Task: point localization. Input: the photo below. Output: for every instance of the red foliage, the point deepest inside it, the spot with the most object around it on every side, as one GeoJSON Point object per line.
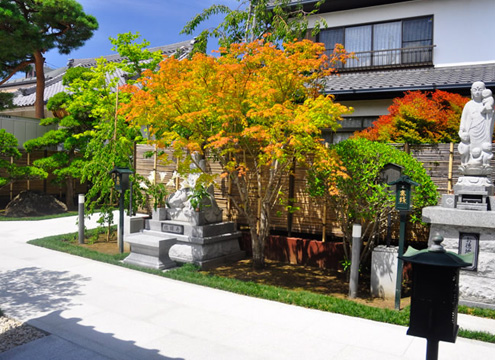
{"type": "Point", "coordinates": [418, 118]}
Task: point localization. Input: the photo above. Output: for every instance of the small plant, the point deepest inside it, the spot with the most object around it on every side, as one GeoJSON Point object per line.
{"type": "Point", "coordinates": [155, 190]}
{"type": "Point", "coordinates": [346, 264]}
{"type": "Point", "coordinates": [197, 197]}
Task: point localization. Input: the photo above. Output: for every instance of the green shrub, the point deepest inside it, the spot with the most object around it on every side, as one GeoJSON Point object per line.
{"type": "Point", "coordinates": [357, 194]}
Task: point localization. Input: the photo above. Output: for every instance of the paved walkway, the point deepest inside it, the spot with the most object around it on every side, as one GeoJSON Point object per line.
{"type": "Point", "coordinates": [98, 311]}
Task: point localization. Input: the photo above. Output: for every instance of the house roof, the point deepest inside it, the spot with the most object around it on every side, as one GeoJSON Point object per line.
{"type": "Point", "coordinates": [53, 79]}
{"type": "Point", "coordinates": [452, 78]}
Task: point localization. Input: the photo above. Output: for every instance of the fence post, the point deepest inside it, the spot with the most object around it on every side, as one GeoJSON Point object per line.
{"type": "Point", "coordinates": [290, 199]}
{"type": "Point", "coordinates": [28, 163]}
{"type": "Point", "coordinates": [324, 223]}
{"type": "Point", "coordinates": [81, 218]}
{"type": "Point", "coordinates": [451, 168]}
{"type": "Point", "coordinates": [11, 186]}
{"type": "Point", "coordinates": [356, 251]}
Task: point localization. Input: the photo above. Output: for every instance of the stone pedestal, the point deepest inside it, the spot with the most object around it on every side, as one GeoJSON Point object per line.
{"type": "Point", "coordinates": [476, 286]}
{"type": "Point", "coordinates": [384, 272]}
{"type": "Point", "coordinates": [161, 244]}
{"type": "Point", "coordinates": [207, 245]}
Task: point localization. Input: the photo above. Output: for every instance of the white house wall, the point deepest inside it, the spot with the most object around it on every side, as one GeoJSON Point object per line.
{"type": "Point", "coordinates": [463, 32]}
{"type": "Point", "coordinates": [368, 107]}
{"type": "Point", "coordinates": [23, 128]}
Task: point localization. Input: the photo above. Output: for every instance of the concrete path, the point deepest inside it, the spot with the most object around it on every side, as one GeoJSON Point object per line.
{"type": "Point", "coordinates": [99, 311]}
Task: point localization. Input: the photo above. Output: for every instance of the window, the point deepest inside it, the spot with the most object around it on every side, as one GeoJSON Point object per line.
{"type": "Point", "coordinates": [350, 124]}
{"type": "Point", "coordinates": [393, 43]}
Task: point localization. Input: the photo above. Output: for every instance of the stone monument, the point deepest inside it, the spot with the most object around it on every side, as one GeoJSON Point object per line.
{"type": "Point", "coordinates": [186, 231]}
{"type": "Point", "coordinates": [466, 218]}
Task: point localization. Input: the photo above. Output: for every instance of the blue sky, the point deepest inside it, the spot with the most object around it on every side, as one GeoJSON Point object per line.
{"type": "Point", "coordinates": [158, 21]}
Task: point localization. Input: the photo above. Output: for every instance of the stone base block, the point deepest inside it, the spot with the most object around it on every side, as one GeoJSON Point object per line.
{"type": "Point", "coordinates": [209, 252]}
{"type": "Point", "coordinates": [150, 251]}
{"type": "Point", "coordinates": [476, 286]}
{"type": "Point", "coordinates": [384, 272]}
{"type": "Point", "coordinates": [134, 224]}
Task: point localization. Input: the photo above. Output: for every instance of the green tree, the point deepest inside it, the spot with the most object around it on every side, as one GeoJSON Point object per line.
{"type": "Point", "coordinates": [10, 171]}
{"type": "Point", "coordinates": [354, 190]}
{"type": "Point", "coordinates": [6, 100]}
{"type": "Point", "coordinates": [279, 20]}
{"type": "Point", "coordinates": [73, 120]}
{"type": "Point", "coordinates": [29, 28]}
{"type": "Point", "coordinates": [112, 139]}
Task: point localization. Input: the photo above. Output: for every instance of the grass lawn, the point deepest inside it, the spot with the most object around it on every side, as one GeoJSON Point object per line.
{"type": "Point", "coordinates": [296, 285]}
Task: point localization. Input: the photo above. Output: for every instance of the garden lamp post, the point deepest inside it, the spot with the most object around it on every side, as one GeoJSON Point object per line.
{"type": "Point", "coordinates": [435, 294]}
{"type": "Point", "coordinates": [121, 179]}
{"type": "Point", "coordinates": [403, 189]}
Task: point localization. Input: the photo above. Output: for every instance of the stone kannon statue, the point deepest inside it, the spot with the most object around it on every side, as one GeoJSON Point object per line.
{"type": "Point", "coordinates": [179, 204]}
{"type": "Point", "coordinates": [476, 131]}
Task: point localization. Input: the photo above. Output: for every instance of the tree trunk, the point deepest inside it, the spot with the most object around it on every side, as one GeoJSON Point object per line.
{"type": "Point", "coordinates": [39, 105]}
{"type": "Point", "coordinates": [69, 193]}
{"type": "Point", "coordinates": [258, 245]}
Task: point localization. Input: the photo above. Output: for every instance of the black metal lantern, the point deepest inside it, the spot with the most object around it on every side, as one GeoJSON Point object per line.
{"type": "Point", "coordinates": [403, 192]}
{"type": "Point", "coordinates": [390, 173]}
{"type": "Point", "coordinates": [435, 294]}
{"type": "Point", "coordinates": [121, 178]}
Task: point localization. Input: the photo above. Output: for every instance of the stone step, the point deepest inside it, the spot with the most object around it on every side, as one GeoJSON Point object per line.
{"type": "Point", "coordinates": [150, 251]}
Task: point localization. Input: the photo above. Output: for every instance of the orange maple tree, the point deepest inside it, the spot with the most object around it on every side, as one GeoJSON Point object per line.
{"type": "Point", "coordinates": [419, 118]}
{"type": "Point", "coordinates": [254, 109]}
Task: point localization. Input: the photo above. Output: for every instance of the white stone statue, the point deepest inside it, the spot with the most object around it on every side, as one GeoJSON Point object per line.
{"type": "Point", "coordinates": [476, 131]}
{"type": "Point", "coordinates": [179, 203]}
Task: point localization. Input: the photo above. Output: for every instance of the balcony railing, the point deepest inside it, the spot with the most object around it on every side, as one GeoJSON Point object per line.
{"type": "Point", "coordinates": [390, 58]}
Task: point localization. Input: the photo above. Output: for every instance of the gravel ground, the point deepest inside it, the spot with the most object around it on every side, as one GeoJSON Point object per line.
{"type": "Point", "coordinates": [14, 333]}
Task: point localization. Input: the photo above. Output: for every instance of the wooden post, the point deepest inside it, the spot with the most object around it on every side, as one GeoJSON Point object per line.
{"type": "Point", "coordinates": [451, 167]}
{"type": "Point", "coordinates": [45, 155]}
{"type": "Point", "coordinates": [177, 180]}
{"type": "Point", "coordinates": [155, 164]}
{"type": "Point", "coordinates": [11, 186]}
{"type": "Point", "coordinates": [28, 163]}
{"type": "Point", "coordinates": [229, 199]}
{"type": "Point", "coordinates": [290, 199]}
{"type": "Point", "coordinates": [324, 222]}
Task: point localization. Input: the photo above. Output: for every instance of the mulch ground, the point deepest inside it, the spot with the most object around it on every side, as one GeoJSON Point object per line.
{"type": "Point", "coordinates": [289, 276]}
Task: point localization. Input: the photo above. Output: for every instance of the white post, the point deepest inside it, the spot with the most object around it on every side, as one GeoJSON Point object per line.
{"type": "Point", "coordinates": [356, 251]}
{"type": "Point", "coordinates": [81, 218]}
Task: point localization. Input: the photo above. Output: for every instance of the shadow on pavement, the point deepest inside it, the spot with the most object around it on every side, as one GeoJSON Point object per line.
{"type": "Point", "coordinates": [75, 341]}
{"type": "Point", "coordinates": [28, 291]}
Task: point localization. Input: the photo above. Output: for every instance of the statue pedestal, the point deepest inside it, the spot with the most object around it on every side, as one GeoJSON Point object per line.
{"type": "Point", "coordinates": [465, 231]}
{"type": "Point", "coordinates": [207, 245]}
{"type": "Point", "coordinates": [164, 243]}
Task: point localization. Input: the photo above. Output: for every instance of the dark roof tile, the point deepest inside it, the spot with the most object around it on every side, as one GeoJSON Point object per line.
{"type": "Point", "coordinates": [454, 77]}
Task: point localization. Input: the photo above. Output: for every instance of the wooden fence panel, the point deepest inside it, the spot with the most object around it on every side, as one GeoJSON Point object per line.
{"type": "Point", "coordinates": [309, 218]}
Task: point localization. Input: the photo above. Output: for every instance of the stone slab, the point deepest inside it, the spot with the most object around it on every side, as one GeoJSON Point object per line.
{"type": "Point", "coordinates": [150, 251]}
{"type": "Point", "coordinates": [195, 253]}
{"type": "Point", "coordinates": [384, 272]}
{"type": "Point", "coordinates": [457, 217]}
{"type": "Point", "coordinates": [221, 260]}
